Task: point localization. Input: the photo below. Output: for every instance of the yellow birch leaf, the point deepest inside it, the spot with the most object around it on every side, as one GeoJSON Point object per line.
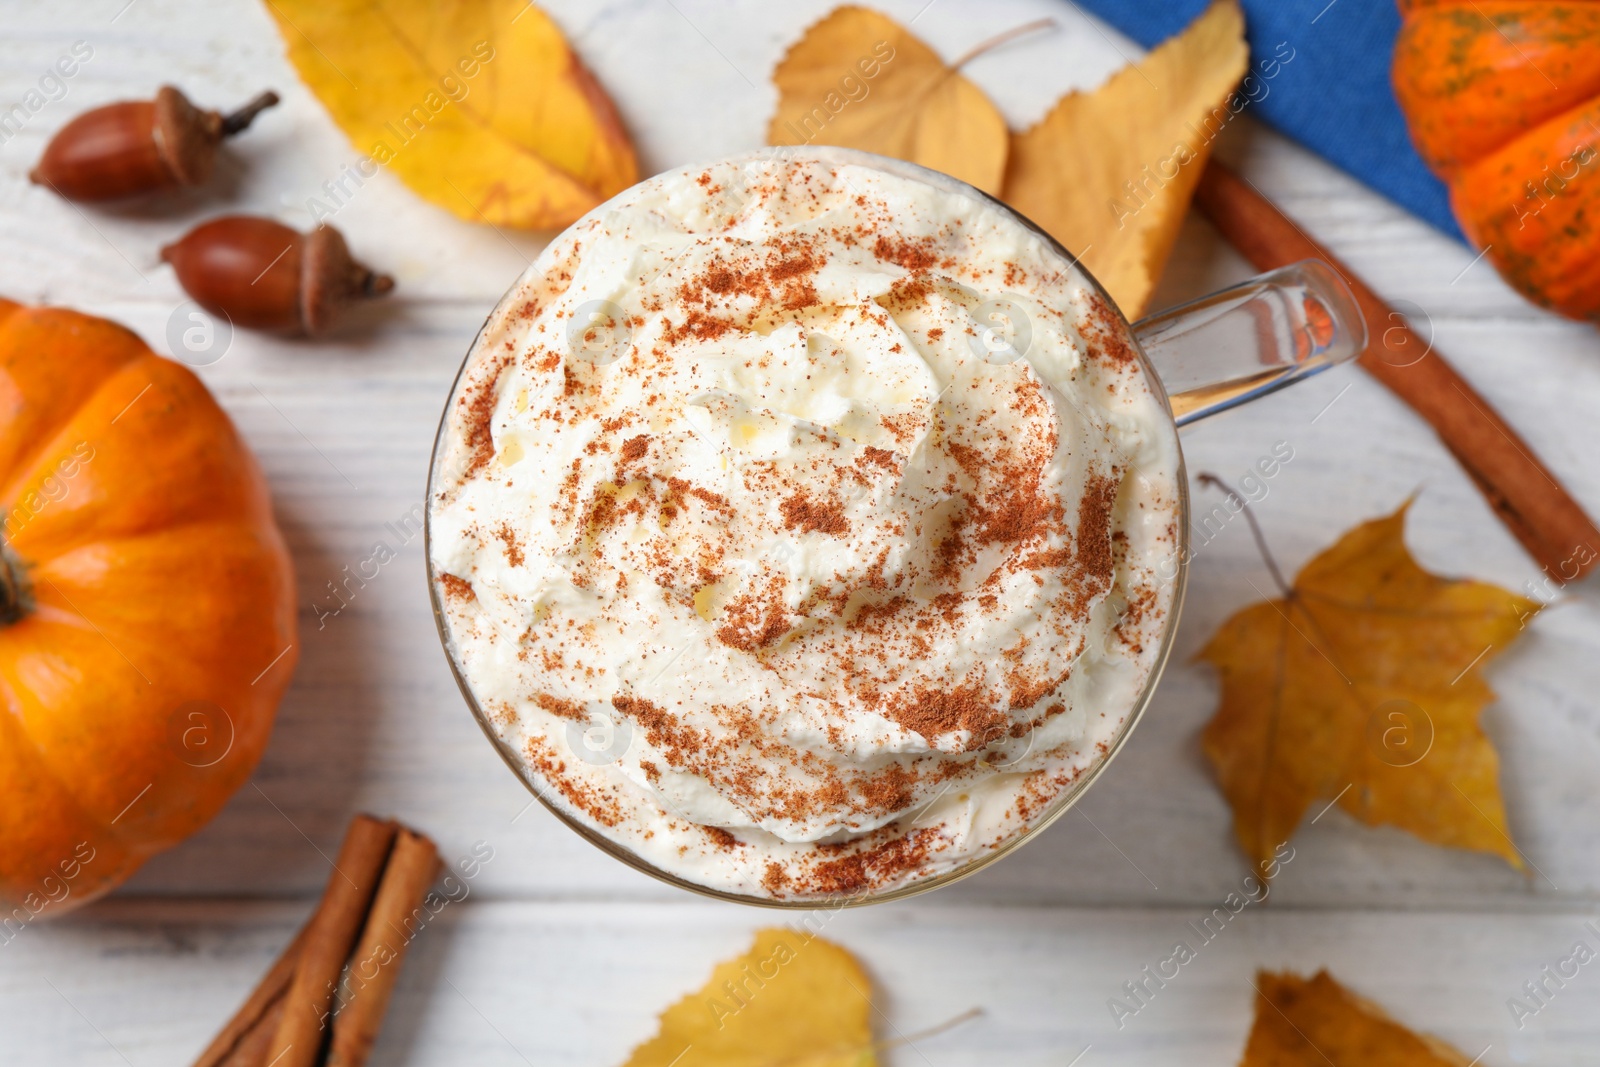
{"type": "Point", "coordinates": [1109, 173]}
{"type": "Point", "coordinates": [1364, 685]}
{"type": "Point", "coordinates": [793, 1000]}
{"type": "Point", "coordinates": [478, 105]}
{"type": "Point", "coordinates": [1315, 1022]}
{"type": "Point", "coordinates": [858, 79]}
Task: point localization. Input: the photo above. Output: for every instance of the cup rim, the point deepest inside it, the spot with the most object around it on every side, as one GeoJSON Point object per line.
{"type": "Point", "coordinates": [1061, 803]}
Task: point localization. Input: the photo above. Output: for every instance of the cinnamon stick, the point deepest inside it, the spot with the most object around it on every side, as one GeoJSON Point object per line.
{"type": "Point", "coordinates": [251, 1051]}
{"type": "Point", "coordinates": [394, 921]}
{"type": "Point", "coordinates": [1529, 499]}
{"type": "Point", "coordinates": [329, 937]}
{"type": "Point", "coordinates": [256, 1007]}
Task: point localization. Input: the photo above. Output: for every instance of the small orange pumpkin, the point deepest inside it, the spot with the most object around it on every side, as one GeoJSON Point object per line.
{"type": "Point", "coordinates": [1503, 101]}
{"type": "Point", "coordinates": [147, 614]}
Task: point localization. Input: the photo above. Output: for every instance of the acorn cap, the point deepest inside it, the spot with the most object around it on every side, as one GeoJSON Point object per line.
{"type": "Point", "coordinates": [330, 278]}
{"type": "Point", "coordinates": [186, 136]}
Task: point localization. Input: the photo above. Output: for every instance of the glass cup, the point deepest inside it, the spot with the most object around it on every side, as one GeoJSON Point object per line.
{"type": "Point", "coordinates": [1201, 358]}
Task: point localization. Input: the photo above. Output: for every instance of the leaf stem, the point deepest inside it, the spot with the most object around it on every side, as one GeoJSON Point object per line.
{"type": "Point", "coordinates": [1001, 38]}
{"type": "Point", "coordinates": [895, 1042]}
{"type": "Point", "coordinates": [1207, 478]}
{"type": "Point", "coordinates": [948, 1024]}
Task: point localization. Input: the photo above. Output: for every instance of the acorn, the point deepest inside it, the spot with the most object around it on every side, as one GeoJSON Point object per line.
{"type": "Point", "coordinates": [264, 275]}
{"type": "Point", "coordinates": [139, 146]}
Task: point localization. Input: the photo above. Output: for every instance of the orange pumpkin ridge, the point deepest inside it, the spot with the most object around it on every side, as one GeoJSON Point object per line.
{"type": "Point", "coordinates": [1503, 101]}
{"type": "Point", "coordinates": [147, 610]}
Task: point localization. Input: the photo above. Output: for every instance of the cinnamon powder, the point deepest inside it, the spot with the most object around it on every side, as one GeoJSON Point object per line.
{"type": "Point", "coordinates": [801, 512]}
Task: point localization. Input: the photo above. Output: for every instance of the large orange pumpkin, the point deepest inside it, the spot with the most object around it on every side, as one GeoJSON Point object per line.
{"type": "Point", "coordinates": [1503, 101]}
{"type": "Point", "coordinates": [147, 627]}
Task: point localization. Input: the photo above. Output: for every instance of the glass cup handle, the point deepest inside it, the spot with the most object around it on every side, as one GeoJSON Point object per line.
{"type": "Point", "coordinates": [1271, 331]}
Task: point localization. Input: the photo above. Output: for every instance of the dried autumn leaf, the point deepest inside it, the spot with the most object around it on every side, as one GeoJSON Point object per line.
{"type": "Point", "coordinates": [1364, 685]}
{"type": "Point", "coordinates": [858, 79]}
{"type": "Point", "coordinates": [1316, 1022]}
{"type": "Point", "coordinates": [793, 999]}
{"type": "Point", "coordinates": [478, 105]}
{"type": "Point", "coordinates": [1109, 173]}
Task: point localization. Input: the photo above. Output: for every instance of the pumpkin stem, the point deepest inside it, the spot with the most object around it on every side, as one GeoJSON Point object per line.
{"type": "Point", "coordinates": [16, 600]}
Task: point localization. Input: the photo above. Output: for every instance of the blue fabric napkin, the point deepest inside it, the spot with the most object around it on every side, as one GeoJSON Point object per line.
{"type": "Point", "coordinates": [1333, 96]}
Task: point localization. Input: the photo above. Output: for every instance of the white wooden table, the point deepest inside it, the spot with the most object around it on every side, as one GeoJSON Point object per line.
{"type": "Point", "coordinates": [562, 955]}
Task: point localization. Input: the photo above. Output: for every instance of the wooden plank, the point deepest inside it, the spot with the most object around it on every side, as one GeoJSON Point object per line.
{"type": "Point", "coordinates": [516, 983]}
{"type": "Point", "coordinates": [535, 969]}
{"type": "Point", "coordinates": [344, 431]}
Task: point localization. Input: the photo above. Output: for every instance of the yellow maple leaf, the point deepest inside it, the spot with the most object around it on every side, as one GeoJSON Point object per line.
{"type": "Point", "coordinates": [480, 106]}
{"type": "Point", "coordinates": [1363, 684]}
{"type": "Point", "coordinates": [1315, 1022]}
{"type": "Point", "coordinates": [858, 79]}
{"type": "Point", "coordinates": [1109, 173]}
{"type": "Point", "coordinates": [792, 1000]}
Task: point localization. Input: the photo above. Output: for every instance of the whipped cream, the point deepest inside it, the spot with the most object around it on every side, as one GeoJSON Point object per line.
{"type": "Point", "coordinates": [801, 525]}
